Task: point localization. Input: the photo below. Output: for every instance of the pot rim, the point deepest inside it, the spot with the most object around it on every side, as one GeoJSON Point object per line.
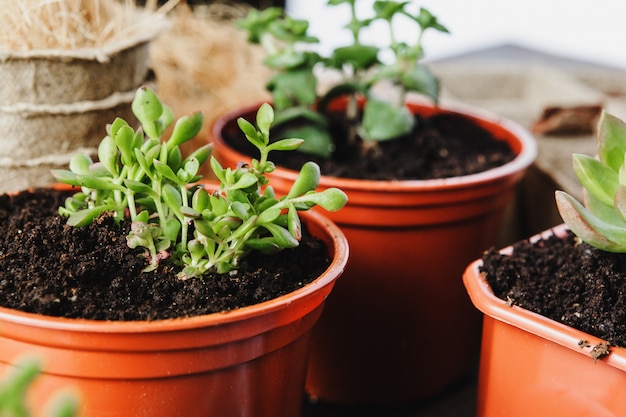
{"type": "Point", "coordinates": [525, 157]}
{"type": "Point", "coordinates": [338, 245]}
{"type": "Point", "coordinates": [484, 300]}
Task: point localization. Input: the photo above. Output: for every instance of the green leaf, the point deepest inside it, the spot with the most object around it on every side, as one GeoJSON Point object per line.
{"type": "Point", "coordinates": [166, 171]}
{"type": "Point", "coordinates": [285, 145]}
{"type": "Point", "coordinates": [384, 121]}
{"type": "Point", "coordinates": [331, 199]}
{"type": "Point", "coordinates": [218, 171]}
{"type": "Point", "coordinates": [292, 89]}
{"type": "Point", "coordinates": [240, 210]}
{"type": "Point", "coordinates": [264, 119]}
{"type": "Point", "coordinates": [185, 129]}
{"type": "Point", "coordinates": [318, 140]}
{"type": "Point", "coordinates": [147, 107]}
{"type": "Point", "coordinates": [86, 216]}
{"type": "Point", "coordinates": [171, 197]}
{"type": "Point", "coordinates": [107, 154]}
{"type": "Point", "coordinates": [80, 163]}
{"type": "Point", "coordinates": [293, 222]}
{"type": "Point", "coordinates": [281, 236]}
{"type": "Point", "coordinates": [138, 187]}
{"type": "Point", "coordinates": [420, 80]}
{"type": "Point", "coordinates": [360, 57]}
{"type": "Point", "coordinates": [124, 139]}
{"type": "Point", "coordinates": [307, 180]}
{"type": "Point", "coordinates": [596, 177]}
{"type": "Point", "coordinates": [219, 205]}
{"type": "Point", "coordinates": [175, 159]}
{"type": "Point", "coordinates": [247, 180]}
{"type": "Point", "coordinates": [588, 226]}
{"type": "Point", "coordinates": [265, 245]}
{"type": "Point", "coordinates": [251, 133]}
{"type": "Point", "coordinates": [200, 200]}
{"type": "Point", "coordinates": [269, 215]}
{"type": "Point", "coordinates": [201, 154]}
{"type": "Point", "coordinates": [611, 140]}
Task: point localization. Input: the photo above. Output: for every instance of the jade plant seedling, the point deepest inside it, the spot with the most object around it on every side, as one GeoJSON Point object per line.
{"type": "Point", "coordinates": [601, 221]}
{"type": "Point", "coordinates": [294, 85]}
{"type": "Point", "coordinates": [14, 389]}
{"type": "Point", "coordinates": [143, 176]}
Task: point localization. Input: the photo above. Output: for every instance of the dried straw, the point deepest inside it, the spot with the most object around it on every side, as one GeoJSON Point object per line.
{"type": "Point", "coordinates": [27, 25]}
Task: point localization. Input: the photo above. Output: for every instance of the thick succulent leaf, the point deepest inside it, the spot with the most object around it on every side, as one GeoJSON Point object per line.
{"type": "Point", "coordinates": [331, 199]}
{"type": "Point", "coordinates": [597, 178]}
{"type": "Point", "coordinates": [107, 154]}
{"type": "Point", "coordinates": [620, 203]}
{"type": "Point", "coordinates": [308, 180]}
{"type": "Point", "coordinates": [282, 237]}
{"type": "Point", "coordinates": [265, 245]}
{"type": "Point", "coordinates": [185, 129]}
{"type": "Point", "coordinates": [85, 217]}
{"type": "Point", "coordinates": [80, 163]}
{"type": "Point", "coordinates": [611, 140]}
{"type": "Point", "coordinates": [269, 215]}
{"type": "Point", "coordinates": [589, 227]}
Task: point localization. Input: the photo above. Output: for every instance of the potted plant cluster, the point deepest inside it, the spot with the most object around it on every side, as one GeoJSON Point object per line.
{"type": "Point", "coordinates": [386, 334]}
{"type": "Point", "coordinates": [161, 295]}
{"type": "Point", "coordinates": [554, 315]}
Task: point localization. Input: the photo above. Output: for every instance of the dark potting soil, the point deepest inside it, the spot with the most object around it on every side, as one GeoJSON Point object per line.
{"type": "Point", "coordinates": [441, 146]}
{"type": "Point", "coordinates": [567, 281]}
{"type": "Point", "coordinates": [54, 269]}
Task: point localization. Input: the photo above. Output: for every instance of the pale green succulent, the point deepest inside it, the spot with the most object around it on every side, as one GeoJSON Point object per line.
{"type": "Point", "coordinates": [601, 221]}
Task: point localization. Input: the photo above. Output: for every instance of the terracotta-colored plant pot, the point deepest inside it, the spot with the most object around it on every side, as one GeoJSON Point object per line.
{"type": "Point", "coordinates": [398, 326]}
{"type": "Point", "coordinates": [534, 366]}
{"type": "Point", "coordinates": [246, 362]}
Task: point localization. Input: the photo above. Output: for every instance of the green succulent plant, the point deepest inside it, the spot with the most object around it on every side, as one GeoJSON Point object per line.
{"type": "Point", "coordinates": [14, 390]}
{"type": "Point", "coordinates": [601, 220]}
{"type": "Point", "coordinates": [294, 84]}
{"type": "Point", "coordinates": [144, 177]}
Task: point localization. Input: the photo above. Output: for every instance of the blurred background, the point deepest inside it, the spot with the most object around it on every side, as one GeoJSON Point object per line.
{"type": "Point", "coordinates": [593, 31]}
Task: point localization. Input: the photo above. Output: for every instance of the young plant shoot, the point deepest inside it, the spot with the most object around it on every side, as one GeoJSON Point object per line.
{"type": "Point", "coordinates": [294, 84]}
{"type": "Point", "coordinates": [143, 176]}
{"type": "Point", "coordinates": [601, 221]}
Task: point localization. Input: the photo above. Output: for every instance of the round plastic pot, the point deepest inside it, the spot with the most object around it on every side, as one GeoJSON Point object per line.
{"type": "Point", "coordinates": [246, 362]}
{"type": "Point", "coordinates": [534, 366]}
{"type": "Point", "coordinates": [399, 326]}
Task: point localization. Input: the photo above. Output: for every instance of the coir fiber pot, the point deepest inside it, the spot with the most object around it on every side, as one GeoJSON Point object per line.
{"type": "Point", "coordinates": [534, 366]}
{"type": "Point", "coordinates": [399, 327]}
{"type": "Point", "coordinates": [246, 362]}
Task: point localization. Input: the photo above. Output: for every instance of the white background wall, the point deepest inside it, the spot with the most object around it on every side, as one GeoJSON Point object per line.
{"type": "Point", "coordinates": [593, 30]}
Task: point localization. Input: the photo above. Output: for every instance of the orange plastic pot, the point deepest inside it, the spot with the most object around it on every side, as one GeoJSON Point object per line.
{"type": "Point", "coordinates": [246, 362]}
{"type": "Point", "coordinates": [392, 328]}
{"type": "Point", "coordinates": [534, 366]}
